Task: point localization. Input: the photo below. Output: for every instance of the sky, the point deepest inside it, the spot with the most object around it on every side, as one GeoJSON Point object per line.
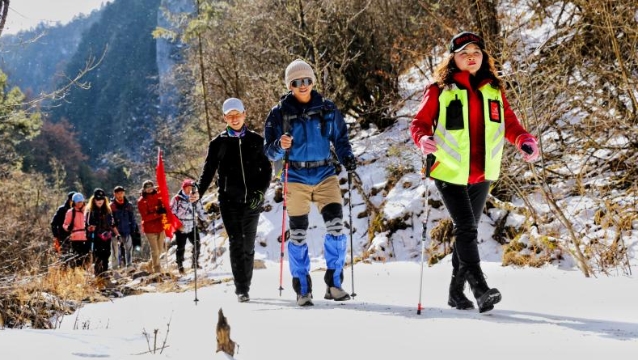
{"type": "Point", "coordinates": [26, 14]}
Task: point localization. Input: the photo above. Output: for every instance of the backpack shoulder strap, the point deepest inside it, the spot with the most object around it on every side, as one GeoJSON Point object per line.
{"type": "Point", "coordinates": [286, 118]}
{"type": "Point", "coordinates": [72, 220]}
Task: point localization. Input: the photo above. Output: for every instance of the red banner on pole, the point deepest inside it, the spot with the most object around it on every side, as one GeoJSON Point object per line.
{"type": "Point", "coordinates": [170, 221]}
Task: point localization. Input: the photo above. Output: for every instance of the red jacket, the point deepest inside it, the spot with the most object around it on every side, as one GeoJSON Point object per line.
{"type": "Point", "coordinates": [148, 204]}
{"type": "Point", "coordinates": [428, 113]}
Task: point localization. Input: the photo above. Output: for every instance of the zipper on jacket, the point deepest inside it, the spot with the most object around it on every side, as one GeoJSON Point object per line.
{"type": "Point", "coordinates": [243, 174]}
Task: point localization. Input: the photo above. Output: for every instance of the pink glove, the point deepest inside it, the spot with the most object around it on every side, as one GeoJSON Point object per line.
{"type": "Point", "coordinates": [427, 145]}
{"type": "Point", "coordinates": [528, 147]}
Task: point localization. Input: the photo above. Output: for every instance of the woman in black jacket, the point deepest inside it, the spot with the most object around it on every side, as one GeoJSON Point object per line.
{"type": "Point", "coordinates": [100, 227]}
{"type": "Point", "coordinates": [244, 173]}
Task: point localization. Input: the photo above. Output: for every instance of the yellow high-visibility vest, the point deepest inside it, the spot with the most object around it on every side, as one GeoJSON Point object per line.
{"type": "Point", "coordinates": [452, 135]}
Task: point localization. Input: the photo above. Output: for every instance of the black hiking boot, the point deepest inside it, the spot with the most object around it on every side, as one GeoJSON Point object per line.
{"type": "Point", "coordinates": [243, 297]}
{"type": "Point", "coordinates": [180, 268]}
{"type": "Point", "coordinates": [457, 298]}
{"type": "Point", "coordinates": [485, 297]}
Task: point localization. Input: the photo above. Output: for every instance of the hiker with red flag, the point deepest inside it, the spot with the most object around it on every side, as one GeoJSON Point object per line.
{"type": "Point", "coordinates": [152, 211]}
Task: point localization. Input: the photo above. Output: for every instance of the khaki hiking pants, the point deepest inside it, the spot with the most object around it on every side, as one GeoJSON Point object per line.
{"type": "Point", "coordinates": [156, 240]}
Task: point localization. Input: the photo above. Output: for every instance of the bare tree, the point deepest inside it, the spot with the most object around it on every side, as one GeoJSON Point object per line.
{"type": "Point", "coordinates": [4, 10]}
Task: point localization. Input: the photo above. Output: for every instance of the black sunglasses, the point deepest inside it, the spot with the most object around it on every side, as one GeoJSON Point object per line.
{"type": "Point", "coordinates": [301, 82]}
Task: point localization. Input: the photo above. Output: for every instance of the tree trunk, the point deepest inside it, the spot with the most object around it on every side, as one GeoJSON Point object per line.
{"type": "Point", "coordinates": [487, 21]}
{"type": "Point", "coordinates": [224, 342]}
{"type": "Point", "coordinates": [4, 10]}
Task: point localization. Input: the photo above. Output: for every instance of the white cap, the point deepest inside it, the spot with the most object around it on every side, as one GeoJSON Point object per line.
{"type": "Point", "coordinates": [232, 104]}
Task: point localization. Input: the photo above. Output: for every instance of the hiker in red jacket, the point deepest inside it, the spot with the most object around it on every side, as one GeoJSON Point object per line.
{"type": "Point", "coordinates": [152, 211]}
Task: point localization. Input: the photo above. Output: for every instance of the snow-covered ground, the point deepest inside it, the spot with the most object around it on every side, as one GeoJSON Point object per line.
{"type": "Point", "coordinates": [545, 313]}
{"type": "Point", "coordinates": [549, 312]}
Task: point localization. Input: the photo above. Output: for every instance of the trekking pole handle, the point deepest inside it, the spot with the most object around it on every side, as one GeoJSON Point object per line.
{"type": "Point", "coordinates": [427, 165]}
{"type": "Point", "coordinates": [528, 149]}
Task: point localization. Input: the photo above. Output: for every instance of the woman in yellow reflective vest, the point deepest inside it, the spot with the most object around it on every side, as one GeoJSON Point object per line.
{"type": "Point", "coordinates": [464, 120]}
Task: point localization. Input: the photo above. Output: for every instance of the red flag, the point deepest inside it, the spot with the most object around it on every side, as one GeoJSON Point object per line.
{"type": "Point", "coordinates": [170, 221]}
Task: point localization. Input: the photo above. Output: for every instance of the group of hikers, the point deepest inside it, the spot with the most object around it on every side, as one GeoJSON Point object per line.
{"type": "Point", "coordinates": [460, 126]}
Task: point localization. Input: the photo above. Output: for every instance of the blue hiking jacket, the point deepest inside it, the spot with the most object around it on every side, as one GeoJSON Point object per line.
{"type": "Point", "coordinates": [124, 217]}
{"type": "Point", "coordinates": [313, 126]}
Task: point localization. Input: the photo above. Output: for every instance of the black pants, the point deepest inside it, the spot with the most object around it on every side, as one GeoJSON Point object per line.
{"type": "Point", "coordinates": [465, 204]}
{"type": "Point", "coordinates": [101, 255]}
{"type": "Point", "coordinates": [180, 239]}
{"type": "Point", "coordinates": [241, 222]}
{"type": "Point", "coordinates": [79, 256]}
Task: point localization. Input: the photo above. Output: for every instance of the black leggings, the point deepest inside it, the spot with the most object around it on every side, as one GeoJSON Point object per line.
{"type": "Point", "coordinates": [241, 222]}
{"type": "Point", "coordinates": [180, 239]}
{"type": "Point", "coordinates": [465, 204]}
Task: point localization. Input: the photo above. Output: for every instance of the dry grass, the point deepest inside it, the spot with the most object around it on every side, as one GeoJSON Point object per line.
{"type": "Point", "coordinates": [40, 301]}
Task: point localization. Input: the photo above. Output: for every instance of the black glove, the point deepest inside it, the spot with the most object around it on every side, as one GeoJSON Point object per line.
{"type": "Point", "coordinates": [257, 199]}
{"type": "Point", "coordinates": [350, 163]}
{"type": "Point", "coordinates": [161, 210]}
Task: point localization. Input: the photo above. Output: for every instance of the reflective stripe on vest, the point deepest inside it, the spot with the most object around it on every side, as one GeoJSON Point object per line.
{"type": "Point", "coordinates": [453, 145]}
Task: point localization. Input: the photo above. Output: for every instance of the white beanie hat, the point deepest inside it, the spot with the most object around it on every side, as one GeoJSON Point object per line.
{"type": "Point", "coordinates": [299, 69]}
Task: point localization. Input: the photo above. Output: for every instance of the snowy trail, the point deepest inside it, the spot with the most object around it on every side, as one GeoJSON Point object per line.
{"type": "Point", "coordinates": [544, 312]}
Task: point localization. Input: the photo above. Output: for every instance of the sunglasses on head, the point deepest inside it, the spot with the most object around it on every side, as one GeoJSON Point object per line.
{"type": "Point", "coordinates": [301, 82]}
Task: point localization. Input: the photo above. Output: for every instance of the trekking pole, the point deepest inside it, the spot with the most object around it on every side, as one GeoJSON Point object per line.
{"type": "Point", "coordinates": [425, 175]}
{"type": "Point", "coordinates": [283, 224]}
{"type": "Point", "coordinates": [214, 243]}
{"type": "Point", "coordinates": [195, 251]}
{"type": "Point", "coordinates": [351, 226]}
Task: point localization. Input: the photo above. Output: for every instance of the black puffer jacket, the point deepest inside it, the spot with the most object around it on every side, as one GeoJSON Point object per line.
{"type": "Point", "coordinates": [242, 165]}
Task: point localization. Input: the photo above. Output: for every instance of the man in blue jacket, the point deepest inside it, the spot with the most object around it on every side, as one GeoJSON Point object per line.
{"type": "Point", "coordinates": [304, 125]}
{"type": "Point", "coordinates": [124, 216]}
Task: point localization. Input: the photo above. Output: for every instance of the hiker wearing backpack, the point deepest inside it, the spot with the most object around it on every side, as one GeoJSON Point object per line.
{"type": "Point", "coordinates": [182, 205]}
{"type": "Point", "coordinates": [152, 210]}
{"type": "Point", "coordinates": [462, 122]}
{"type": "Point", "coordinates": [61, 242]}
{"type": "Point", "coordinates": [74, 224]}
{"type": "Point", "coordinates": [101, 229]}
{"type": "Point", "coordinates": [244, 172]}
{"type": "Point", "coordinates": [302, 128]}
{"type": "Point", "coordinates": [124, 216]}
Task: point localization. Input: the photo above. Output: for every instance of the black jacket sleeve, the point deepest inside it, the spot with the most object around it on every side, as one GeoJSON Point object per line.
{"type": "Point", "coordinates": [266, 171]}
{"type": "Point", "coordinates": [210, 166]}
{"type": "Point", "coordinates": [58, 221]}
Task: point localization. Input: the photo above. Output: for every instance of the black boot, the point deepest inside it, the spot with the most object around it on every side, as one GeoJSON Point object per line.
{"type": "Point", "coordinates": [485, 297]}
{"type": "Point", "coordinates": [457, 298]}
